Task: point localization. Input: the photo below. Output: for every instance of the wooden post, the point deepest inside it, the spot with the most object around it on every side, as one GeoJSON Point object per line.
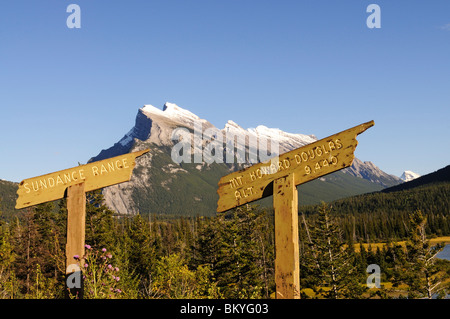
{"type": "Point", "coordinates": [76, 224]}
{"type": "Point", "coordinates": [287, 268]}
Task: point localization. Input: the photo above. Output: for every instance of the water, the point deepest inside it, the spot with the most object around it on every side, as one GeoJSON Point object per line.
{"type": "Point", "coordinates": [444, 253]}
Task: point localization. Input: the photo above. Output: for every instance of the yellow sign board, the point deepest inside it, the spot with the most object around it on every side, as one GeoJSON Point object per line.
{"type": "Point", "coordinates": [308, 162]}
{"type": "Point", "coordinates": [49, 187]}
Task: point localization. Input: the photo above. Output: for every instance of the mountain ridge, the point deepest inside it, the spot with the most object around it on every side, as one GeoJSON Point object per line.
{"type": "Point", "coordinates": [441, 175]}
{"type": "Point", "coordinates": [409, 176]}
{"type": "Point", "coordinates": [153, 129]}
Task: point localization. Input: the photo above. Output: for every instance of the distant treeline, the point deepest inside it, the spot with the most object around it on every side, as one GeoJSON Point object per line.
{"type": "Point", "coordinates": [7, 197]}
{"type": "Point", "coordinates": [383, 216]}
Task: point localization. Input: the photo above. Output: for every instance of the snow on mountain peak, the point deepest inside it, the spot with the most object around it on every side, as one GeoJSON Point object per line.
{"type": "Point", "coordinates": [172, 112]}
{"type": "Point", "coordinates": [169, 110]}
{"type": "Point", "coordinates": [409, 176]}
{"type": "Point", "coordinates": [287, 141]}
{"type": "Point", "coordinates": [232, 126]}
{"type": "Point", "coordinates": [150, 109]}
{"type": "Point", "coordinates": [290, 140]}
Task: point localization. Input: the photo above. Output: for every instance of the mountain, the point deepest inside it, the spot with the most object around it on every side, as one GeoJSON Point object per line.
{"type": "Point", "coordinates": [370, 172]}
{"type": "Point", "coordinates": [7, 197]}
{"type": "Point", "coordinates": [161, 185]}
{"type": "Point", "coordinates": [440, 176]}
{"type": "Point", "coordinates": [409, 176]}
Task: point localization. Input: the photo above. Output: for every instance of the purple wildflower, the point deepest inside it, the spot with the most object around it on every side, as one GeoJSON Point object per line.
{"type": "Point", "coordinates": [76, 257]}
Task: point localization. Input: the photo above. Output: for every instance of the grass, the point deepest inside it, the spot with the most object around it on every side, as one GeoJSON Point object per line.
{"type": "Point", "coordinates": [374, 246]}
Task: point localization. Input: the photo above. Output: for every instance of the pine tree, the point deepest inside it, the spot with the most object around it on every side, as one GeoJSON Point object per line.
{"type": "Point", "coordinates": [138, 247]}
{"type": "Point", "coordinates": [422, 276]}
{"type": "Point", "coordinates": [206, 248]}
{"type": "Point", "coordinates": [7, 258]}
{"type": "Point", "coordinates": [51, 231]}
{"type": "Point", "coordinates": [238, 270]}
{"type": "Point", "coordinates": [336, 268]}
{"type": "Point", "coordinates": [99, 221]}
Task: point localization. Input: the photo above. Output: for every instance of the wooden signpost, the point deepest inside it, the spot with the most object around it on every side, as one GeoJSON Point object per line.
{"type": "Point", "coordinates": [279, 177]}
{"type": "Point", "coordinates": [74, 183]}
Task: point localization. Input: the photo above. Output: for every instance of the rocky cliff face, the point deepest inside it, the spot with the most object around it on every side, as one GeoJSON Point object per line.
{"type": "Point", "coordinates": [161, 185]}
{"type": "Point", "coordinates": [372, 173]}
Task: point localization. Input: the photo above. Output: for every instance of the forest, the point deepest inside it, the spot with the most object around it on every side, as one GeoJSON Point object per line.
{"type": "Point", "coordinates": [231, 255]}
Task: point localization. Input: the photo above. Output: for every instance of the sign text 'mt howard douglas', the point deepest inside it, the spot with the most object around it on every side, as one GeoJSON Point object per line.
{"type": "Point", "coordinates": [49, 187]}
{"type": "Point", "coordinates": [309, 162]}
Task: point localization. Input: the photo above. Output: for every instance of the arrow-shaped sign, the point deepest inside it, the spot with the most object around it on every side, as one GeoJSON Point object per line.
{"type": "Point", "coordinates": [308, 162]}
{"type": "Point", "coordinates": [49, 187]}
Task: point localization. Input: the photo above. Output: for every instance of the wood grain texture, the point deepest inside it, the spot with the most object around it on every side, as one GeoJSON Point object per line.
{"type": "Point", "coordinates": [76, 221]}
{"type": "Point", "coordinates": [287, 268]}
{"type": "Point", "coordinates": [308, 162]}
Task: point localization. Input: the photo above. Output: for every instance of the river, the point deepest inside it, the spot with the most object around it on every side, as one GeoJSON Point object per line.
{"type": "Point", "coordinates": [444, 253]}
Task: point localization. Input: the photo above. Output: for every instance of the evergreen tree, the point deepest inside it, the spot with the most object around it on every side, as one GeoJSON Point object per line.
{"type": "Point", "coordinates": [422, 275]}
{"type": "Point", "coordinates": [138, 247]}
{"type": "Point", "coordinates": [206, 248]}
{"type": "Point", "coordinates": [7, 257]}
{"type": "Point", "coordinates": [336, 268]}
{"type": "Point", "coordinates": [99, 221]}
{"type": "Point", "coordinates": [234, 251]}
{"type": "Point", "coordinates": [50, 227]}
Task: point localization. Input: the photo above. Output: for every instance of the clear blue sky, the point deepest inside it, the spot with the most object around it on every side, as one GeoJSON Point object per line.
{"type": "Point", "coordinates": [311, 67]}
